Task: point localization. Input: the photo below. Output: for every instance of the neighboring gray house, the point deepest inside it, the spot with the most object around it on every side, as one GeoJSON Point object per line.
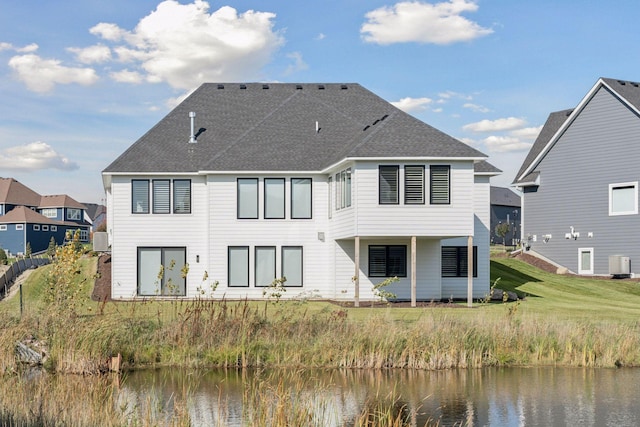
{"type": "Point", "coordinates": [580, 183]}
{"type": "Point", "coordinates": [327, 185]}
{"type": "Point", "coordinates": [505, 209]}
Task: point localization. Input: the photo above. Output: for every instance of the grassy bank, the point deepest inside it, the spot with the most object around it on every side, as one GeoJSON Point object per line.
{"type": "Point", "coordinates": [562, 321]}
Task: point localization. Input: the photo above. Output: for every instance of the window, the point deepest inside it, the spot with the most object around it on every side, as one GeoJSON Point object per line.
{"type": "Point", "coordinates": [300, 198]}
{"type": "Point", "coordinates": [440, 185]}
{"type": "Point", "coordinates": [49, 212]}
{"type": "Point", "coordinates": [3, 227]}
{"type": "Point", "coordinates": [140, 196]}
{"type": "Point", "coordinates": [182, 196]}
{"type": "Point", "coordinates": [387, 261]}
{"type": "Point", "coordinates": [54, 228]}
{"type": "Point", "coordinates": [73, 214]}
{"type": "Point", "coordinates": [36, 227]}
{"type": "Point", "coordinates": [84, 235]}
{"type": "Point", "coordinates": [19, 226]}
{"type": "Point", "coordinates": [623, 198]}
{"type": "Point", "coordinates": [343, 189]}
{"type": "Point", "coordinates": [161, 196]}
{"type": "Point", "coordinates": [274, 198]}
{"type": "Point", "coordinates": [388, 185]}
{"type": "Point", "coordinates": [330, 201]}
{"type": "Point", "coordinates": [338, 191]}
{"type": "Point", "coordinates": [292, 265]}
{"type": "Point", "coordinates": [238, 268]}
{"type": "Point", "coordinates": [454, 261]}
{"type": "Point", "coordinates": [45, 228]}
{"type": "Point", "coordinates": [585, 261]}
{"type": "Point", "coordinates": [247, 198]}
{"type": "Point", "coordinates": [160, 271]}
{"type": "Point", "coordinates": [265, 268]}
{"type": "Point", "coordinates": [414, 185]}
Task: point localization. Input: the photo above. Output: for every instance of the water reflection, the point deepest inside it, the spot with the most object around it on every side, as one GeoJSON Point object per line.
{"type": "Point", "coordinates": [486, 397]}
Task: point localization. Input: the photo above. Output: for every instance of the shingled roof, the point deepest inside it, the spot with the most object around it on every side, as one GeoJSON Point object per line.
{"type": "Point", "coordinates": [15, 193]}
{"type": "Point", "coordinates": [627, 91]}
{"type": "Point", "coordinates": [283, 127]}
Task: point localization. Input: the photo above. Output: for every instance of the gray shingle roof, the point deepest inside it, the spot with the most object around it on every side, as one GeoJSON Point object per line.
{"type": "Point", "coordinates": [264, 127]}
{"type": "Point", "coordinates": [504, 197]}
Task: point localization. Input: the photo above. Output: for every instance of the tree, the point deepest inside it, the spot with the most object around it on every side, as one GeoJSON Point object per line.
{"type": "Point", "coordinates": [27, 250]}
{"type": "Point", "coordinates": [51, 250]}
{"type": "Point", "coordinates": [3, 257]}
{"type": "Point", "coordinates": [501, 230]}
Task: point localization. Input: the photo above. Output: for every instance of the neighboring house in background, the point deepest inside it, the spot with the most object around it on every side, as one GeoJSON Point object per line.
{"type": "Point", "coordinates": [96, 215]}
{"type": "Point", "coordinates": [505, 209]}
{"type": "Point", "coordinates": [580, 183]}
{"type": "Point", "coordinates": [27, 217]}
{"type": "Point", "coordinates": [302, 181]}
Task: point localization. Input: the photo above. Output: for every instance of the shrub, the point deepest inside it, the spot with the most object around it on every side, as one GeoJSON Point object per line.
{"type": "Point", "coordinates": [3, 257]}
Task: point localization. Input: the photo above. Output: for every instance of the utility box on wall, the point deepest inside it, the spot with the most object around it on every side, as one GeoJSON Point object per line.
{"type": "Point", "coordinates": [619, 265]}
{"type": "Point", "coordinates": [100, 241]}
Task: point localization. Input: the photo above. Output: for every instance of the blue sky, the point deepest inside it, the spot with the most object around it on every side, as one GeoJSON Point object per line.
{"type": "Point", "coordinates": [80, 81]}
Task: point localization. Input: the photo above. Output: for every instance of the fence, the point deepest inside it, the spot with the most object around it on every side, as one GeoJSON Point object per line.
{"type": "Point", "coordinates": [8, 277]}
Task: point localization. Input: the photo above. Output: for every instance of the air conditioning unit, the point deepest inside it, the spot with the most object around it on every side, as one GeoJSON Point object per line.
{"type": "Point", "coordinates": [619, 265]}
{"type": "Point", "coordinates": [100, 241]}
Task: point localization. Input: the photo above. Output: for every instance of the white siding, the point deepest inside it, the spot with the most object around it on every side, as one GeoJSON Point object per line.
{"type": "Point", "coordinates": [457, 287]}
{"type": "Point", "coordinates": [130, 231]}
{"type": "Point", "coordinates": [455, 219]}
{"type": "Point", "coordinates": [226, 230]}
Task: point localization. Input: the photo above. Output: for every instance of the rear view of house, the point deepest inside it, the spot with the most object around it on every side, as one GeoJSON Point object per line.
{"type": "Point", "coordinates": [326, 185]}
{"type": "Point", "coordinates": [580, 184]}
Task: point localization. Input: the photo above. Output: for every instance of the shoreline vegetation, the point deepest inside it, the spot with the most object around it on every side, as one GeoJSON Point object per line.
{"type": "Point", "coordinates": [559, 321]}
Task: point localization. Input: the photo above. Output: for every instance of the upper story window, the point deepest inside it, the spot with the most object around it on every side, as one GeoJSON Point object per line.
{"type": "Point", "coordinates": [274, 198]}
{"type": "Point", "coordinates": [161, 196]}
{"type": "Point", "coordinates": [388, 185]}
{"type": "Point", "coordinates": [343, 189]}
{"type": "Point", "coordinates": [158, 196]}
{"type": "Point", "coordinates": [414, 185]}
{"type": "Point", "coordinates": [140, 196]}
{"type": "Point", "coordinates": [3, 227]}
{"type": "Point", "coordinates": [248, 198]}
{"type": "Point", "coordinates": [440, 184]}
{"type": "Point", "coordinates": [301, 201]}
{"type": "Point", "coordinates": [49, 212]}
{"type": "Point", "coordinates": [36, 227]}
{"type": "Point", "coordinates": [181, 196]}
{"type": "Point", "coordinates": [623, 198]}
{"type": "Point", "coordinates": [19, 226]}
{"type": "Point", "coordinates": [73, 214]}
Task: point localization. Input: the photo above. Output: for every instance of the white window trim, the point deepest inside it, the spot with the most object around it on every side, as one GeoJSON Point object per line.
{"type": "Point", "coordinates": [19, 226]}
{"type": "Point", "coordinates": [54, 228]}
{"type": "Point", "coordinates": [635, 204]}
{"type": "Point", "coordinates": [45, 228]}
{"type": "Point", "coordinates": [580, 269]}
{"type": "Point", "coordinates": [36, 227]}
{"type": "Point", "coordinates": [74, 214]}
{"type": "Point", "coordinates": [3, 227]}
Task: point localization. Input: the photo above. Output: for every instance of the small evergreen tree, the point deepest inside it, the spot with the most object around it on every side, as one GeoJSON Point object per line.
{"type": "Point", "coordinates": [3, 257]}
{"type": "Point", "coordinates": [27, 250]}
{"type": "Point", "coordinates": [51, 250]}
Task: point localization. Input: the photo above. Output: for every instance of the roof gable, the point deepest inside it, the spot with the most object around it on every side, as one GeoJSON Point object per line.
{"type": "Point", "coordinates": [304, 127]}
{"type": "Point", "coordinates": [22, 214]}
{"type": "Point", "coordinates": [626, 92]}
{"type": "Point", "coordinates": [60, 201]}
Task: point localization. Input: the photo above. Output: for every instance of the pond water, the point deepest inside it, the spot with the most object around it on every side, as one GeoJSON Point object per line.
{"type": "Point", "coordinates": [483, 397]}
{"type": "Point", "coordinates": [474, 397]}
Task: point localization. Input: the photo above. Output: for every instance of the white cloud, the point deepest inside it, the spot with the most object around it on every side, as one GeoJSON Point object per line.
{"type": "Point", "coordinates": [503, 144]}
{"type": "Point", "coordinates": [409, 105]}
{"type": "Point", "coordinates": [92, 54]}
{"type": "Point", "coordinates": [185, 45]}
{"type": "Point", "coordinates": [298, 63]}
{"type": "Point", "coordinates": [41, 75]}
{"type": "Point", "coordinates": [320, 36]}
{"type": "Point", "coordinates": [476, 108]}
{"type": "Point", "coordinates": [34, 156]}
{"type": "Point", "coordinates": [416, 21]}
{"type": "Point", "coordinates": [527, 133]}
{"type": "Point", "coordinates": [509, 123]}
{"type": "Point", "coordinates": [5, 46]}
{"type": "Point", "coordinates": [126, 76]}
{"type": "Point", "coordinates": [26, 49]}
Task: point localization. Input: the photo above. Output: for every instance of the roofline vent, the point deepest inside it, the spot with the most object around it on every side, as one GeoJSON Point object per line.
{"type": "Point", "coordinates": [344, 87]}
{"type": "Point", "coordinates": [321, 87]}
{"type": "Point", "coordinates": [192, 138]}
{"type": "Point", "coordinates": [265, 86]}
{"type": "Point", "coordinates": [298, 87]}
{"type": "Point", "coordinates": [621, 82]}
{"type": "Point", "coordinates": [243, 86]}
{"type": "Point", "coordinates": [220, 86]}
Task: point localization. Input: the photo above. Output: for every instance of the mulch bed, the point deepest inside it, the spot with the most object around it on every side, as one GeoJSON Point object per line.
{"type": "Point", "coordinates": [102, 285]}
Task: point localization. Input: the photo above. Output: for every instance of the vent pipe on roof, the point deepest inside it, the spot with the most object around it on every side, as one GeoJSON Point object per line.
{"type": "Point", "coordinates": [192, 138]}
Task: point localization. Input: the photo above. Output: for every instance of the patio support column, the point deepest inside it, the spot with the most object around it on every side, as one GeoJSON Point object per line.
{"type": "Point", "coordinates": [356, 276]}
{"type": "Point", "coordinates": [470, 271]}
{"type": "Point", "coordinates": [413, 271]}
